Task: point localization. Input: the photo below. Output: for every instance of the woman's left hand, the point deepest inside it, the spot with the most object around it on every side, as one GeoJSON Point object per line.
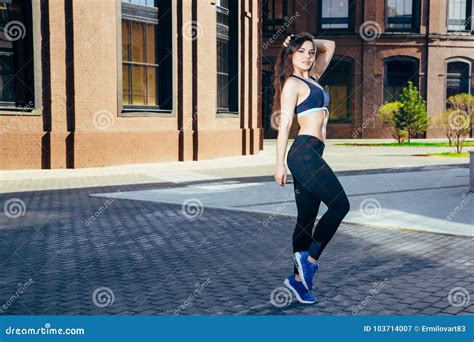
{"type": "Point", "coordinates": [280, 175]}
{"type": "Point", "coordinates": [287, 40]}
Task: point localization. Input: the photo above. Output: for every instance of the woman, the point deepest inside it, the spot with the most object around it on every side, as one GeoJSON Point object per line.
{"type": "Point", "coordinates": [301, 63]}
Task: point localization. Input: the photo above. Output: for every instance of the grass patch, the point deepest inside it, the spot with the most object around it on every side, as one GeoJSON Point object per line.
{"type": "Point", "coordinates": [445, 154]}
{"type": "Point", "coordinates": [411, 144]}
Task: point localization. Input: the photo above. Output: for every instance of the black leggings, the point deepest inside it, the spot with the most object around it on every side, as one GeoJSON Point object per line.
{"type": "Point", "coordinates": [314, 181]}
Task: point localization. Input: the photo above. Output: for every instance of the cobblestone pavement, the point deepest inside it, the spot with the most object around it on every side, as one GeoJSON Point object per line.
{"type": "Point", "coordinates": [65, 252]}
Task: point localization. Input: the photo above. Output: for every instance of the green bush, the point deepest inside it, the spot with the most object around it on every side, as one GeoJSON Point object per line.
{"type": "Point", "coordinates": [407, 116]}
{"type": "Point", "coordinates": [386, 116]}
{"type": "Point", "coordinates": [456, 121]}
{"type": "Point", "coordinates": [412, 116]}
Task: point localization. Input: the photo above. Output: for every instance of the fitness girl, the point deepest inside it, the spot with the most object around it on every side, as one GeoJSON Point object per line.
{"type": "Point", "coordinates": [299, 67]}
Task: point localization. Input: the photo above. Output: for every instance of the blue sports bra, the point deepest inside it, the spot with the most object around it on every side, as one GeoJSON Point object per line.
{"type": "Point", "coordinates": [318, 99]}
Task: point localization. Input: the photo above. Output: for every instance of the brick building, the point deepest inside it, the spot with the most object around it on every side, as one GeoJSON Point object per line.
{"type": "Point", "coordinates": [89, 83]}
{"type": "Point", "coordinates": [380, 46]}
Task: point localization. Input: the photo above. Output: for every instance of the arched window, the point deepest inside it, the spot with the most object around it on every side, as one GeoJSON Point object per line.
{"type": "Point", "coordinates": [458, 77]}
{"type": "Point", "coordinates": [397, 72]}
{"type": "Point", "coordinates": [338, 78]}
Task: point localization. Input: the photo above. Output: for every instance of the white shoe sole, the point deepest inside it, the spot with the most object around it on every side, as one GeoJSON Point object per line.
{"type": "Point", "coordinates": [288, 285]}
{"type": "Point", "coordinates": [299, 266]}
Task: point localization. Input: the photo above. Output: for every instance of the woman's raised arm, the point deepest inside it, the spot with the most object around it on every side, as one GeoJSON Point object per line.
{"type": "Point", "coordinates": [325, 51]}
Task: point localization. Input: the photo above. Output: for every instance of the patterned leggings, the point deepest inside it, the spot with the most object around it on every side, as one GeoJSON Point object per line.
{"type": "Point", "coordinates": [314, 182]}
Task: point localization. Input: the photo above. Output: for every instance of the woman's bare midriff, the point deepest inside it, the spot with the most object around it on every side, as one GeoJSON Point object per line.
{"type": "Point", "coordinates": [313, 124]}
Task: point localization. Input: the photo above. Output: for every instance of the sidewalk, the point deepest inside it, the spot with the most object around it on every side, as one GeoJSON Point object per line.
{"type": "Point", "coordinates": [341, 158]}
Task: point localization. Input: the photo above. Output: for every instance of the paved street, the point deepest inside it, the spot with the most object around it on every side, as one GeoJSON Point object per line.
{"type": "Point", "coordinates": [72, 253]}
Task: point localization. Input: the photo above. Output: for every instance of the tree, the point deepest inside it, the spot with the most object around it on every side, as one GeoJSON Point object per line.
{"type": "Point", "coordinates": [412, 116]}
{"type": "Point", "coordinates": [386, 116]}
{"type": "Point", "coordinates": [460, 117]}
{"type": "Point", "coordinates": [442, 121]}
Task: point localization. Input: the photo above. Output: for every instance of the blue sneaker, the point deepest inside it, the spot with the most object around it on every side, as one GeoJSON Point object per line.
{"type": "Point", "coordinates": [306, 269]}
{"type": "Point", "coordinates": [300, 292]}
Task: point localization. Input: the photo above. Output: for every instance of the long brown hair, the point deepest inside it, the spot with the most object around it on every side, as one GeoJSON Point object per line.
{"type": "Point", "coordinates": [284, 68]}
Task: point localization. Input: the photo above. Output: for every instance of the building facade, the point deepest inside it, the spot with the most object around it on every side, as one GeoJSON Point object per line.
{"type": "Point", "coordinates": [380, 46]}
{"type": "Point", "coordinates": [88, 83]}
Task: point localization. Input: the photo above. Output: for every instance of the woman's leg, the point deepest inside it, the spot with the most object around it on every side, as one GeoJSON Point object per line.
{"type": "Point", "coordinates": [308, 206]}
{"type": "Point", "coordinates": [324, 185]}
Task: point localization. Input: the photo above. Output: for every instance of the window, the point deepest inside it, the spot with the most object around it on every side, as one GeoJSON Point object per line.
{"type": "Point", "coordinates": [338, 79]}
{"type": "Point", "coordinates": [274, 13]}
{"type": "Point", "coordinates": [458, 78]}
{"type": "Point", "coordinates": [16, 55]}
{"type": "Point", "coordinates": [335, 14]}
{"type": "Point", "coordinates": [459, 15]}
{"type": "Point", "coordinates": [139, 64]}
{"type": "Point", "coordinates": [398, 71]}
{"type": "Point", "coordinates": [402, 15]}
{"type": "Point", "coordinates": [146, 55]}
{"type": "Point", "coordinates": [227, 57]}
